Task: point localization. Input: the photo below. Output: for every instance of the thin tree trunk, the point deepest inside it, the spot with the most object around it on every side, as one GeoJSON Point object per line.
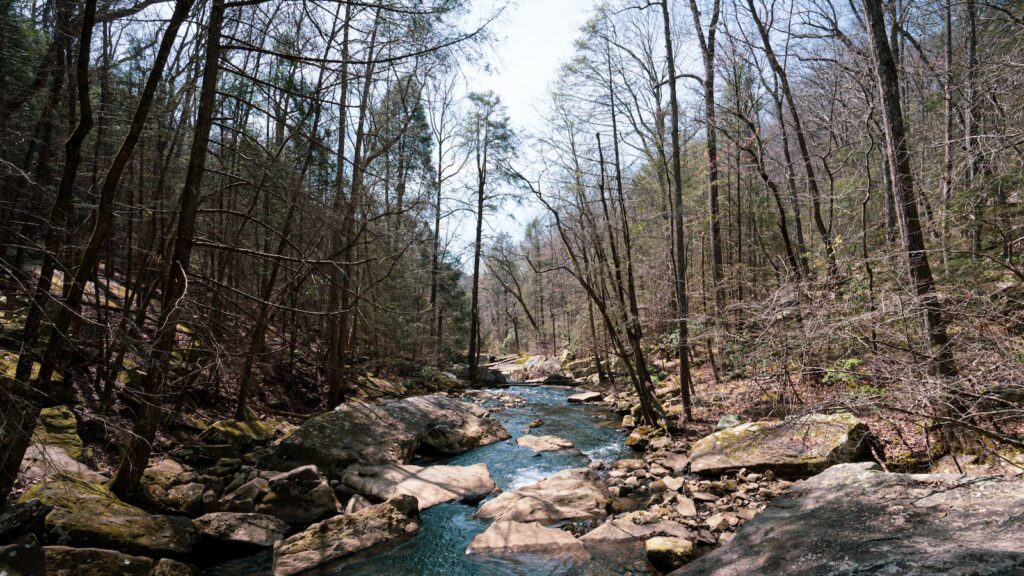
{"type": "Point", "coordinates": [685, 378]}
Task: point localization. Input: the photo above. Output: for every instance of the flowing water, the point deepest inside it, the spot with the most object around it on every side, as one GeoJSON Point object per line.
{"type": "Point", "coordinates": [438, 548]}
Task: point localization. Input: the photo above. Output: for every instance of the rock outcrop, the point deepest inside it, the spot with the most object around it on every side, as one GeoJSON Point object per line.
{"type": "Point", "coordinates": [567, 496]}
{"type": "Point", "coordinates": [445, 425]}
{"type": "Point", "coordinates": [619, 530]}
{"type": "Point", "coordinates": [800, 446]}
{"type": "Point", "coordinates": [515, 538]}
{"type": "Point", "coordinates": [343, 535]}
{"type": "Point", "coordinates": [88, 514]}
{"type": "Point", "coordinates": [352, 433]}
{"type": "Point", "coordinates": [852, 519]}
{"type": "Point", "coordinates": [430, 485]}
{"type": "Point", "coordinates": [357, 433]}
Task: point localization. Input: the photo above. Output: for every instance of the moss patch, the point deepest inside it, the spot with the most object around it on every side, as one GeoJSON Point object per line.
{"type": "Point", "coordinates": [88, 514]}
{"type": "Point", "coordinates": [57, 427]}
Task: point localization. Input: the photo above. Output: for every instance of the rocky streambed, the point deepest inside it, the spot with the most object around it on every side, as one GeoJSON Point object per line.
{"type": "Point", "coordinates": [446, 530]}
{"type": "Point", "coordinates": [539, 480]}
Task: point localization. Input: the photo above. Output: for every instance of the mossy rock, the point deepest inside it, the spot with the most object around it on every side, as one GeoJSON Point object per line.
{"type": "Point", "coordinates": [58, 427]}
{"type": "Point", "coordinates": [668, 553]}
{"type": "Point", "coordinates": [165, 473]}
{"type": "Point", "coordinates": [370, 387]}
{"type": "Point", "coordinates": [641, 437]}
{"type": "Point", "coordinates": [436, 380]}
{"type": "Point", "coordinates": [67, 561]}
{"type": "Point", "coordinates": [88, 514]}
{"type": "Point", "coordinates": [244, 433]}
{"type": "Point", "coordinates": [9, 367]}
{"type": "Point", "coordinates": [797, 447]}
{"type": "Point", "coordinates": [239, 433]}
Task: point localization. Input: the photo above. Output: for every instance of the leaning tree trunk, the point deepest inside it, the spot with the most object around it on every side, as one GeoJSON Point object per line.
{"type": "Point", "coordinates": [57, 348]}
{"type": "Point", "coordinates": [136, 456]}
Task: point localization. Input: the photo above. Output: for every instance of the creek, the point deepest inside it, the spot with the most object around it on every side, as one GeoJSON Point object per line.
{"type": "Point", "coordinates": [438, 548]}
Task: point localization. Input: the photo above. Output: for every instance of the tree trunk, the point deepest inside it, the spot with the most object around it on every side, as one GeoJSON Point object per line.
{"type": "Point", "coordinates": [136, 458]}
{"type": "Point", "coordinates": [903, 186]}
{"type": "Point", "coordinates": [685, 379]}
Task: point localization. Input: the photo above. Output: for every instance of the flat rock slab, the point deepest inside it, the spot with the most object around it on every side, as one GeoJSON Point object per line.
{"type": "Point", "coordinates": [854, 520]}
{"type": "Point", "coordinates": [335, 538]}
{"type": "Point", "coordinates": [42, 460]}
{"type": "Point", "coordinates": [564, 497]}
{"type": "Point", "coordinates": [544, 443]}
{"type": "Point", "coordinates": [617, 531]}
{"type": "Point", "coordinates": [800, 446]}
{"type": "Point", "coordinates": [56, 448]}
{"type": "Point", "coordinates": [511, 538]}
{"type": "Point", "coordinates": [430, 485]}
{"type": "Point", "coordinates": [583, 397]}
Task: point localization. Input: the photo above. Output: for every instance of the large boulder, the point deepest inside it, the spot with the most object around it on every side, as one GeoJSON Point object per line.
{"type": "Point", "coordinates": [430, 485]}
{"type": "Point", "coordinates": [484, 376]}
{"type": "Point", "coordinates": [532, 368]}
{"type": "Point", "coordinates": [445, 425]}
{"type": "Point", "coordinates": [544, 443]}
{"type": "Point", "coordinates": [566, 496]}
{"type": "Point", "coordinates": [799, 446]}
{"type": "Point", "coordinates": [618, 530]}
{"type": "Point", "coordinates": [300, 509]}
{"type": "Point", "coordinates": [357, 433]}
{"type": "Point", "coordinates": [42, 460]}
{"type": "Point", "coordinates": [185, 498]}
{"type": "Point", "coordinates": [852, 519]}
{"type": "Point", "coordinates": [299, 496]}
{"type": "Point", "coordinates": [352, 433]}
{"type": "Point", "coordinates": [341, 536]}
{"type": "Point", "coordinates": [258, 530]}
{"type": "Point", "coordinates": [165, 472]}
{"type": "Point", "coordinates": [516, 538]}
{"type": "Point", "coordinates": [239, 433]}
{"type": "Point", "coordinates": [88, 514]}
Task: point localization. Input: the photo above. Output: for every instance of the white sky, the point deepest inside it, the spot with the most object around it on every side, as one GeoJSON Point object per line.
{"type": "Point", "coordinates": [532, 40]}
